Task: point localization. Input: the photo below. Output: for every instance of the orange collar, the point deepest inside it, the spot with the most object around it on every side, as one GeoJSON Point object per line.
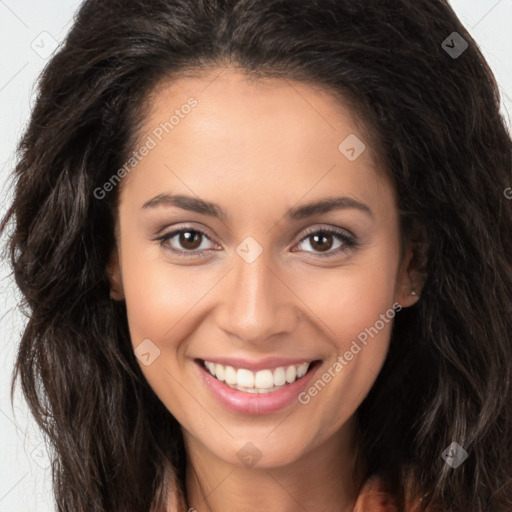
{"type": "Point", "coordinates": [372, 498]}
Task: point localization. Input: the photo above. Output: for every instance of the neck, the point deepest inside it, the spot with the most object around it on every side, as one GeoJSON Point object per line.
{"type": "Point", "coordinates": [327, 478]}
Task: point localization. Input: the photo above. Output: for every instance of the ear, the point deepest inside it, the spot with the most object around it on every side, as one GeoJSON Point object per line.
{"type": "Point", "coordinates": [114, 276]}
{"type": "Point", "coordinates": [412, 273]}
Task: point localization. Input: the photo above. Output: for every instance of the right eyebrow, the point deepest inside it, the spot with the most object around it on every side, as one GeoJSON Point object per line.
{"type": "Point", "coordinates": [189, 203]}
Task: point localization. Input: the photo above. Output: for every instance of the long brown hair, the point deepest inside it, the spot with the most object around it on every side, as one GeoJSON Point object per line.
{"type": "Point", "coordinates": [434, 118]}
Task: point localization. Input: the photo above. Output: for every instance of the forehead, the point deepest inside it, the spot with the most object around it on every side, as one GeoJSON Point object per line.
{"type": "Point", "coordinates": [236, 103]}
{"type": "Point", "coordinates": [224, 129]}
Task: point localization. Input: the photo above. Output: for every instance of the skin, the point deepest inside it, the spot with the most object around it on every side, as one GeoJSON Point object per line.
{"type": "Point", "coordinates": [257, 149]}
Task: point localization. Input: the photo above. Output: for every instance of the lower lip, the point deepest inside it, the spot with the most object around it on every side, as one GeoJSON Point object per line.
{"type": "Point", "coordinates": [255, 403]}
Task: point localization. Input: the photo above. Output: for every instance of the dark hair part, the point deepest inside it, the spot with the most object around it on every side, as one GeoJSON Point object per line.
{"type": "Point", "coordinates": [436, 124]}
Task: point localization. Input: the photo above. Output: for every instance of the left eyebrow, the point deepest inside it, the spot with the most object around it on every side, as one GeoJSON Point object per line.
{"type": "Point", "coordinates": [326, 205]}
{"type": "Point", "coordinates": [197, 205]}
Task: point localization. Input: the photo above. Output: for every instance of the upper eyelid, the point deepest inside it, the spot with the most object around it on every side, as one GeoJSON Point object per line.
{"type": "Point", "coordinates": [176, 230]}
{"type": "Point", "coordinates": [330, 229]}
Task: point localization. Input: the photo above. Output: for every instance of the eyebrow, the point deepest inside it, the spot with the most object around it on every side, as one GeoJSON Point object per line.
{"type": "Point", "coordinates": [197, 205]}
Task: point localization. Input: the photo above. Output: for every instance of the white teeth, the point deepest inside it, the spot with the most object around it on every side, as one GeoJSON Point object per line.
{"type": "Point", "coordinates": [245, 378]}
{"type": "Point", "coordinates": [230, 375]}
{"type": "Point", "coordinates": [291, 374]}
{"type": "Point", "coordinates": [302, 369]}
{"type": "Point", "coordinates": [262, 381]}
{"type": "Point", "coordinates": [279, 376]}
{"type": "Point", "coordinates": [219, 372]}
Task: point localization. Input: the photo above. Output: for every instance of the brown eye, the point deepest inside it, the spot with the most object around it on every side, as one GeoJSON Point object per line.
{"type": "Point", "coordinates": [189, 239]}
{"type": "Point", "coordinates": [328, 242]}
{"type": "Point", "coordinates": [322, 242]}
{"type": "Point", "coordinates": [184, 241]}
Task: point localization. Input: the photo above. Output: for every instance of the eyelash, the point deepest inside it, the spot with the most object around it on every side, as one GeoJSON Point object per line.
{"type": "Point", "coordinates": [348, 242]}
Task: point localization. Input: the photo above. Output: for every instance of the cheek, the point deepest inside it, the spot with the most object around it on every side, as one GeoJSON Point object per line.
{"type": "Point", "coordinates": [350, 299]}
{"type": "Point", "coordinates": [160, 302]}
{"type": "Point", "coordinates": [165, 304]}
{"type": "Point", "coordinates": [355, 306]}
{"type": "Point", "coordinates": [158, 295]}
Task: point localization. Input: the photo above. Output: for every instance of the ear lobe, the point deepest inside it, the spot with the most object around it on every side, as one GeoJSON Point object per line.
{"type": "Point", "coordinates": [413, 271]}
{"type": "Point", "coordinates": [410, 292]}
{"type": "Point", "coordinates": [113, 272]}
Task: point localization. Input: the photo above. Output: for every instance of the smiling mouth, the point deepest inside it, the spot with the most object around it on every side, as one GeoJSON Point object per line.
{"type": "Point", "coordinates": [261, 381]}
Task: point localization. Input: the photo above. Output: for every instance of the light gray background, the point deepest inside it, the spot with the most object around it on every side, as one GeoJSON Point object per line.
{"type": "Point", "coordinates": [29, 31]}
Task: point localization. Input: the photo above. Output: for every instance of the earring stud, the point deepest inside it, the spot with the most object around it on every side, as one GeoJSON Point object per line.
{"type": "Point", "coordinates": [412, 292]}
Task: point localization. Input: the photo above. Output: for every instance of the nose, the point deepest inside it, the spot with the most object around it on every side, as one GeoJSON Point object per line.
{"type": "Point", "coordinates": [256, 303]}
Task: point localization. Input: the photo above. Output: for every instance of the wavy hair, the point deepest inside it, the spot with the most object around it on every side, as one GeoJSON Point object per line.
{"type": "Point", "coordinates": [435, 124]}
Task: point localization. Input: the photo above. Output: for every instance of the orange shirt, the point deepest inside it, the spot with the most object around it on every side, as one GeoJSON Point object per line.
{"type": "Point", "coordinates": [372, 498]}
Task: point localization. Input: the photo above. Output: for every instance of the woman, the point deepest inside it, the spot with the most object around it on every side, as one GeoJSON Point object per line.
{"type": "Point", "coordinates": [265, 248]}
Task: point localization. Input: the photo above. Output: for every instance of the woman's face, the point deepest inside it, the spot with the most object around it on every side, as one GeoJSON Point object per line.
{"type": "Point", "coordinates": [254, 285]}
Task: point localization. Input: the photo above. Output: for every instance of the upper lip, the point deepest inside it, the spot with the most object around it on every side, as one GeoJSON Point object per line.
{"type": "Point", "coordinates": [267, 363]}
